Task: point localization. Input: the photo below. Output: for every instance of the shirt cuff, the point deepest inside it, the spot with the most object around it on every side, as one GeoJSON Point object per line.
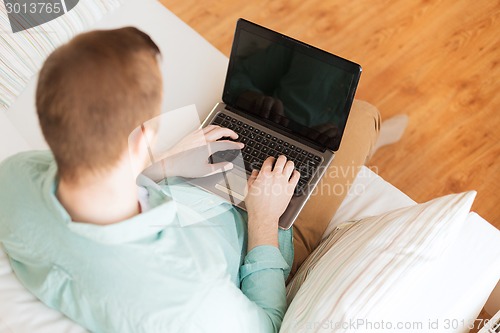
{"type": "Point", "coordinates": [260, 258]}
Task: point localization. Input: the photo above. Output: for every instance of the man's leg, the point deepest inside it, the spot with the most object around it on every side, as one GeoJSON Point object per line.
{"type": "Point", "coordinates": [355, 149]}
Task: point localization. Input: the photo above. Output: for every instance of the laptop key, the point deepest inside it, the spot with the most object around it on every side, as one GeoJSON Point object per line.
{"type": "Point", "coordinates": [304, 171]}
{"type": "Point", "coordinates": [255, 163]}
{"type": "Point", "coordinates": [259, 145]}
{"type": "Point", "coordinates": [313, 163]}
{"type": "Point", "coordinates": [299, 158]}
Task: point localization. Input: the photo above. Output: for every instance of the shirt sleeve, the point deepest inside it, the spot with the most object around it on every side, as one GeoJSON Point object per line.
{"type": "Point", "coordinates": [262, 281]}
{"type": "Point", "coordinates": [258, 307]}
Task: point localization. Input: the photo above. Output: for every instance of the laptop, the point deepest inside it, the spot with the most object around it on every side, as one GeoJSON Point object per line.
{"type": "Point", "coordinates": [282, 97]}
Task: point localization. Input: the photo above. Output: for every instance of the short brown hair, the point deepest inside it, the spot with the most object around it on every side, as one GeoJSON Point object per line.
{"type": "Point", "coordinates": [92, 92]}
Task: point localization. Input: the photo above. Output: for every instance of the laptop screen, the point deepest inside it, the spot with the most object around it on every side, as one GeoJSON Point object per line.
{"type": "Point", "coordinates": [301, 90]}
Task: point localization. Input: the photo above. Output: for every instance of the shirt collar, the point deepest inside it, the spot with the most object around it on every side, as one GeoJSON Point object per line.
{"type": "Point", "coordinates": [158, 212]}
{"type": "Point", "coordinates": [139, 227]}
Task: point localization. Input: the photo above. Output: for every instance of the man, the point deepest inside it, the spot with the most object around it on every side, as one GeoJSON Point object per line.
{"type": "Point", "coordinates": [117, 257]}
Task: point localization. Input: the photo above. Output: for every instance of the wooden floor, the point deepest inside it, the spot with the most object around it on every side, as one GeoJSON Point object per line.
{"type": "Point", "coordinates": [436, 61]}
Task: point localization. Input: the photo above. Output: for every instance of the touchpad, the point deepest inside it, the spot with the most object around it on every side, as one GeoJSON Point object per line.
{"type": "Point", "coordinates": [233, 184]}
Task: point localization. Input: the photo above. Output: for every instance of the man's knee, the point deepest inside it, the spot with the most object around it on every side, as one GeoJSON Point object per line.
{"type": "Point", "coordinates": [363, 113]}
{"type": "Point", "coordinates": [362, 130]}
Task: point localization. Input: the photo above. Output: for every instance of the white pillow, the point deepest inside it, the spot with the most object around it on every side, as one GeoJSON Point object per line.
{"type": "Point", "coordinates": [23, 53]}
{"type": "Point", "coordinates": [357, 267]}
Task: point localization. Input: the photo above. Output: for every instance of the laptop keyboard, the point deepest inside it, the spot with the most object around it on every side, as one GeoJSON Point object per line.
{"type": "Point", "coordinates": [259, 145]}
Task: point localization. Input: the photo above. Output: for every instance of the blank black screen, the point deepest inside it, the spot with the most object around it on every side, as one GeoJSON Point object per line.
{"type": "Point", "coordinates": [300, 93]}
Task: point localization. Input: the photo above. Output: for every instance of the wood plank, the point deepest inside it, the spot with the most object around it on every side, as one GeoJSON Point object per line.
{"type": "Point", "coordinates": [435, 60]}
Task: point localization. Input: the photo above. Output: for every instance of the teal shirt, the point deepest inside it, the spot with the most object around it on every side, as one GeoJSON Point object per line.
{"type": "Point", "coordinates": [180, 266]}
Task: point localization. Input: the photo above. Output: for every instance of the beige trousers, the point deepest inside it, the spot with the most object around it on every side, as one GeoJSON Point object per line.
{"type": "Point", "coordinates": [359, 138]}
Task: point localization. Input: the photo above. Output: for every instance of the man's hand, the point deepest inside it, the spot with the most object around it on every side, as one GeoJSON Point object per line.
{"type": "Point", "coordinates": [189, 157]}
{"type": "Point", "coordinates": [202, 137]}
{"type": "Point", "coordinates": [269, 192]}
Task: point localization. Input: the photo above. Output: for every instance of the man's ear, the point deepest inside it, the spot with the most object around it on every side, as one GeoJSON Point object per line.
{"type": "Point", "coordinates": [140, 149]}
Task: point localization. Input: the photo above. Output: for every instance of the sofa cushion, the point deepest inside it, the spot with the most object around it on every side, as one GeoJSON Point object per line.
{"type": "Point", "coordinates": [358, 267]}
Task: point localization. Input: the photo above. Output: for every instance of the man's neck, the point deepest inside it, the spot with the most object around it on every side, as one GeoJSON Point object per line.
{"type": "Point", "coordinates": [105, 198]}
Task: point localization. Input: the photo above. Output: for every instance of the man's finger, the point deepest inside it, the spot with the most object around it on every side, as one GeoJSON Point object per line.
{"type": "Point", "coordinates": [288, 169]}
{"type": "Point", "coordinates": [267, 166]}
{"type": "Point", "coordinates": [252, 177]}
{"type": "Point", "coordinates": [295, 178]}
{"type": "Point", "coordinates": [280, 164]}
{"type": "Point", "coordinates": [220, 132]}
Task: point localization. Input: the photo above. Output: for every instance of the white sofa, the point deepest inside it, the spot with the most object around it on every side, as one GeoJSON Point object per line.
{"type": "Point", "coordinates": [194, 72]}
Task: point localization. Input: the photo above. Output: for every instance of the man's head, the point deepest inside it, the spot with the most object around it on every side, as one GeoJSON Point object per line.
{"type": "Point", "coordinates": [92, 92]}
